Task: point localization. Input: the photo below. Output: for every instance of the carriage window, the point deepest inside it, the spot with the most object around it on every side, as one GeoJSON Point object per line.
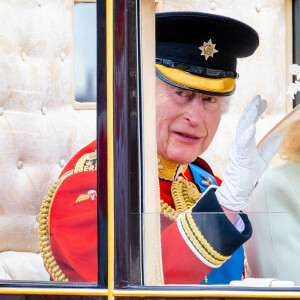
{"type": "Point", "coordinates": [187, 248]}
{"type": "Point", "coordinates": [41, 134]}
{"type": "Point", "coordinates": [85, 52]}
{"type": "Point", "coordinates": [191, 242]}
{"type": "Point", "coordinates": [157, 236]}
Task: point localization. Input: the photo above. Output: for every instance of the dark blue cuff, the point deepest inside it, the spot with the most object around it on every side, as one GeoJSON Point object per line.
{"type": "Point", "coordinates": [210, 231]}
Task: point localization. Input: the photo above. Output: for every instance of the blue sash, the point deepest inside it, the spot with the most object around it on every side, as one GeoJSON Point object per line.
{"type": "Point", "coordinates": [233, 268]}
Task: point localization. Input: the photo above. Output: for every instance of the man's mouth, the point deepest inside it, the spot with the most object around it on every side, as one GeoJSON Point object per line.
{"type": "Point", "coordinates": [188, 136]}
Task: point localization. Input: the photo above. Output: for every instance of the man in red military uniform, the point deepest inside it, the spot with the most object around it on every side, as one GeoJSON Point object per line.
{"type": "Point", "coordinates": [196, 58]}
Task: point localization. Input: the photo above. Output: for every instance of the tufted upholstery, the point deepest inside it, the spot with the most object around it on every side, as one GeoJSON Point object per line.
{"type": "Point", "coordinates": [39, 128]}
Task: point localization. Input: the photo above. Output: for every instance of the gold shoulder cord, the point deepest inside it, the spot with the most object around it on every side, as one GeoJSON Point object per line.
{"type": "Point", "coordinates": [44, 231]}
{"type": "Point", "coordinates": [87, 162]}
{"type": "Point", "coordinates": [185, 194]}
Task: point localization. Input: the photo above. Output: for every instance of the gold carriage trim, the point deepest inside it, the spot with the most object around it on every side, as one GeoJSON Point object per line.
{"type": "Point", "coordinates": [87, 162]}
{"type": "Point", "coordinates": [44, 231]}
{"type": "Point", "coordinates": [200, 243]}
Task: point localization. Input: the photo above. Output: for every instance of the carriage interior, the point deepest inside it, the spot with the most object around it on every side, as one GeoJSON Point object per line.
{"type": "Point", "coordinates": [42, 125]}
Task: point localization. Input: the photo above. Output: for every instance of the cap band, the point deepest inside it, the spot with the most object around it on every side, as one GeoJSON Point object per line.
{"type": "Point", "coordinates": [196, 70]}
{"type": "Point", "coordinates": [213, 85]}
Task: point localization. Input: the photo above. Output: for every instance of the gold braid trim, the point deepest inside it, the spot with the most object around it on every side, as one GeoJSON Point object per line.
{"type": "Point", "coordinates": [203, 241]}
{"type": "Point", "coordinates": [44, 231]}
{"type": "Point", "coordinates": [168, 211]}
{"type": "Point", "coordinates": [169, 169]}
{"type": "Point", "coordinates": [196, 243]}
{"type": "Point", "coordinates": [80, 163]}
{"type": "Point", "coordinates": [87, 162]}
{"type": "Point", "coordinates": [185, 194]}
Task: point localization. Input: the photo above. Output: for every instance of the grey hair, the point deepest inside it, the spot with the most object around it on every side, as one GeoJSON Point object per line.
{"type": "Point", "coordinates": [225, 104]}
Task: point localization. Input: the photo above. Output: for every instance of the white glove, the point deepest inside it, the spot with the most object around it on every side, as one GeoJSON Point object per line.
{"type": "Point", "coordinates": [246, 164]}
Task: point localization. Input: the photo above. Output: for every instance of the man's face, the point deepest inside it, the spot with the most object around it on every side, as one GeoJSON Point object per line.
{"type": "Point", "coordinates": [186, 122]}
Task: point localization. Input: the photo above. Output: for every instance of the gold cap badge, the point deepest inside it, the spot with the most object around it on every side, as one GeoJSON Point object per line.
{"type": "Point", "coordinates": [208, 49]}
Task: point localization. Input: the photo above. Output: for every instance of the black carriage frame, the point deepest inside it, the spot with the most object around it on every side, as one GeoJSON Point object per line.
{"type": "Point", "coordinates": [120, 95]}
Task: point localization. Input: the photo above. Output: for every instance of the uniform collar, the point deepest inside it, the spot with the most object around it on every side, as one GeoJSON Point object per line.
{"type": "Point", "coordinates": [169, 170]}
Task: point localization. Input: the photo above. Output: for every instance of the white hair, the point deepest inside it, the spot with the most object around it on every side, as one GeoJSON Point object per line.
{"type": "Point", "coordinates": [225, 104]}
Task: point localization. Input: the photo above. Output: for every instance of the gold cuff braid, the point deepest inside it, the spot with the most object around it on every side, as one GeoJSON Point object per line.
{"type": "Point", "coordinates": [202, 247]}
{"type": "Point", "coordinates": [203, 241]}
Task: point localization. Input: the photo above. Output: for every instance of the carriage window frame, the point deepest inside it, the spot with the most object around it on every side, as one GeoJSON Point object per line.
{"type": "Point", "coordinates": [99, 289]}
{"type": "Point", "coordinates": [118, 284]}
{"type": "Point", "coordinates": [123, 287]}
{"type": "Point", "coordinates": [296, 41]}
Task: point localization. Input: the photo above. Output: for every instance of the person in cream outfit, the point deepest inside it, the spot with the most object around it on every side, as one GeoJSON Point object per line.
{"type": "Point", "coordinates": [274, 211]}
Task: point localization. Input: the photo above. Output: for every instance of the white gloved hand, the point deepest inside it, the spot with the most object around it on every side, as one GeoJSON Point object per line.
{"type": "Point", "coordinates": [246, 164]}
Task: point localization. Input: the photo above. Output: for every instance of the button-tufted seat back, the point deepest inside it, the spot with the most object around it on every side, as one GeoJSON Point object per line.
{"type": "Point", "coordinates": [39, 128]}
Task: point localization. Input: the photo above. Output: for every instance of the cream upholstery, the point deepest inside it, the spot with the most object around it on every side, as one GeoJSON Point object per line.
{"type": "Point", "coordinates": [22, 266]}
{"type": "Point", "coordinates": [39, 129]}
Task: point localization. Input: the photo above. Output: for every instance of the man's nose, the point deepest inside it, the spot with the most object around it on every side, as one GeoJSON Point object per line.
{"type": "Point", "coordinates": [195, 111]}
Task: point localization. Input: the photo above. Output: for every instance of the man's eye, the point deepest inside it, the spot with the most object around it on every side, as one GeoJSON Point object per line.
{"type": "Point", "coordinates": [183, 93]}
{"type": "Point", "coordinates": [209, 99]}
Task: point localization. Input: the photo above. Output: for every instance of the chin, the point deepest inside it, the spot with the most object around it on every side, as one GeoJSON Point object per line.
{"type": "Point", "coordinates": [182, 159]}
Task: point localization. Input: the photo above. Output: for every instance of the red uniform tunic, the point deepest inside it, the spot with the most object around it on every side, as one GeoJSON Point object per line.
{"type": "Point", "coordinates": [73, 228]}
{"type": "Point", "coordinates": [180, 264]}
